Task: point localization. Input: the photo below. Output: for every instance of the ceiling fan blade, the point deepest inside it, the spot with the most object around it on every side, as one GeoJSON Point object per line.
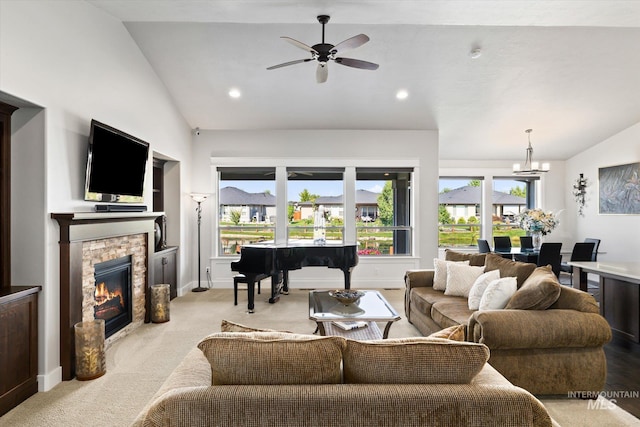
{"type": "Point", "coordinates": [297, 61]}
{"type": "Point", "coordinates": [357, 63]}
{"type": "Point", "coordinates": [299, 44]}
{"type": "Point", "coordinates": [352, 43]}
{"type": "Point", "coordinates": [322, 72]}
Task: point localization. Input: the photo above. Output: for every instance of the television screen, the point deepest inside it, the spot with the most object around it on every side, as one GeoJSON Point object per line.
{"type": "Point", "coordinates": [116, 165]}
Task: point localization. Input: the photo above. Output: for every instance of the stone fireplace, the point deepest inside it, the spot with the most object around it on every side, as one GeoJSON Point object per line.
{"type": "Point", "coordinates": [86, 241]}
{"type": "Point", "coordinates": [113, 283]}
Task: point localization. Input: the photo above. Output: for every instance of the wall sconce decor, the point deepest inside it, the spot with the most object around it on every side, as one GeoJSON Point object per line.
{"type": "Point", "coordinates": [580, 193]}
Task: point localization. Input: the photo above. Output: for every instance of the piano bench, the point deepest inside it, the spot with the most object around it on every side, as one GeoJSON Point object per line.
{"type": "Point", "coordinates": [241, 278]}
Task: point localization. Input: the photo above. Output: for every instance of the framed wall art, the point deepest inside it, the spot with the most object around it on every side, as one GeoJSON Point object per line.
{"type": "Point", "coordinates": [619, 189]}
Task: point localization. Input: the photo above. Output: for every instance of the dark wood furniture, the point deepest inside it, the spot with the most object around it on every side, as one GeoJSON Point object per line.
{"type": "Point", "coordinates": [619, 288]}
{"type": "Point", "coordinates": [18, 304]}
{"type": "Point", "coordinates": [274, 260]}
{"type": "Point", "coordinates": [165, 269]}
{"type": "Point", "coordinates": [18, 345]}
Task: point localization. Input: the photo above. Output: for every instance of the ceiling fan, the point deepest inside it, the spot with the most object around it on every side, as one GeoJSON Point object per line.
{"type": "Point", "coordinates": [325, 52]}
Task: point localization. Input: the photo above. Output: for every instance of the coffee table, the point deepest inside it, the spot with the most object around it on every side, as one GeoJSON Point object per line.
{"type": "Point", "coordinates": [371, 308]}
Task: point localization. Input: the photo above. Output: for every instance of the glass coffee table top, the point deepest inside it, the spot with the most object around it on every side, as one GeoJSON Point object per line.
{"type": "Point", "coordinates": [372, 307]}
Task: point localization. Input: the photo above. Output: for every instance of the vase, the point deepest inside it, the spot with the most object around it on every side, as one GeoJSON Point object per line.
{"type": "Point", "coordinates": [537, 240]}
{"type": "Point", "coordinates": [89, 346]}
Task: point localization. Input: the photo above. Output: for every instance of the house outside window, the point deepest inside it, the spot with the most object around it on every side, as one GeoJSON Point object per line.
{"type": "Point", "coordinates": [247, 208]}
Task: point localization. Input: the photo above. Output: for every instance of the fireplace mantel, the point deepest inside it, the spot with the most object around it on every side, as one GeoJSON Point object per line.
{"type": "Point", "coordinates": [79, 227]}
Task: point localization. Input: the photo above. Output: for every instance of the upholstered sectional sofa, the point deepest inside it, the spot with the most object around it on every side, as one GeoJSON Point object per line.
{"type": "Point", "coordinates": [280, 379]}
{"type": "Point", "coordinates": [548, 340]}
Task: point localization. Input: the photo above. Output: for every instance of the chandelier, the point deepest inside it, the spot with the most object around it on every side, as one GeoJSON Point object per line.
{"type": "Point", "coordinates": [530, 167]}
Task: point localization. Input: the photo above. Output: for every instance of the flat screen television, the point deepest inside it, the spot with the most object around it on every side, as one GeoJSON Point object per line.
{"type": "Point", "coordinates": [116, 164]}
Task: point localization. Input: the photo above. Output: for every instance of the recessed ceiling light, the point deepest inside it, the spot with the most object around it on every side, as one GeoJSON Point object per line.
{"type": "Point", "coordinates": [402, 94]}
{"type": "Point", "coordinates": [234, 93]}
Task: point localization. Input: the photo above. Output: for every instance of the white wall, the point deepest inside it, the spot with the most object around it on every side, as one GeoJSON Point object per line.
{"type": "Point", "coordinates": [620, 234]}
{"type": "Point", "coordinates": [79, 63]}
{"type": "Point", "coordinates": [326, 144]}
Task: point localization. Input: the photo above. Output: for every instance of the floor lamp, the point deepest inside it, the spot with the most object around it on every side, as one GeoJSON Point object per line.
{"type": "Point", "coordinates": [199, 198]}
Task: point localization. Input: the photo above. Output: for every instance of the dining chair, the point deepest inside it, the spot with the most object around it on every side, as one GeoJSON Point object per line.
{"type": "Point", "coordinates": [502, 245]}
{"type": "Point", "coordinates": [526, 243]}
{"type": "Point", "coordinates": [483, 246]}
{"type": "Point", "coordinates": [594, 255]}
{"type": "Point", "coordinates": [582, 251]}
{"type": "Point", "coordinates": [550, 255]}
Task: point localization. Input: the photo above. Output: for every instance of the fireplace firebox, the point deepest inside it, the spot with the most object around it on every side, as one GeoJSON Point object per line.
{"type": "Point", "coordinates": [112, 294]}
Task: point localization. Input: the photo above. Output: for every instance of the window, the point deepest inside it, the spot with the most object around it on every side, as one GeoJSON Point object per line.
{"type": "Point", "coordinates": [247, 207]}
{"type": "Point", "coordinates": [278, 204]}
{"type": "Point", "coordinates": [383, 219]}
{"type": "Point", "coordinates": [512, 196]}
{"type": "Point", "coordinates": [459, 211]}
{"type": "Point", "coordinates": [312, 190]}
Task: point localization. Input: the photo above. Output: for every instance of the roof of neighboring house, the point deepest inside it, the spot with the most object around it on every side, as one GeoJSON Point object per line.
{"type": "Point", "coordinates": [363, 197]}
{"type": "Point", "coordinates": [233, 196]}
{"type": "Point", "coordinates": [469, 195]}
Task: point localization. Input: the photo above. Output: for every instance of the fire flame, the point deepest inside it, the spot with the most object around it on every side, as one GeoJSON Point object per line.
{"type": "Point", "coordinates": [103, 295]}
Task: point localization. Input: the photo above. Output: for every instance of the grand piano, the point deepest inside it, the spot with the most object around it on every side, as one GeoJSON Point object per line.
{"type": "Point", "coordinates": [259, 262]}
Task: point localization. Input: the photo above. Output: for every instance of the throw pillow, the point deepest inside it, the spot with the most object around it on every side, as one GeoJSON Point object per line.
{"type": "Point", "coordinates": [498, 294]}
{"type": "Point", "coordinates": [509, 268]}
{"type": "Point", "coordinates": [440, 273]}
{"type": "Point", "coordinates": [454, 333]}
{"type": "Point", "coordinates": [473, 258]}
{"type": "Point", "coordinates": [253, 358]}
{"type": "Point", "coordinates": [416, 360]}
{"type": "Point", "coordinates": [538, 292]}
{"type": "Point", "coordinates": [228, 326]}
{"type": "Point", "coordinates": [479, 286]}
{"type": "Point", "coordinates": [460, 278]}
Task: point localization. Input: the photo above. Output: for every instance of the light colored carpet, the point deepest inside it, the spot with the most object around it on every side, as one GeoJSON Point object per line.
{"type": "Point", "coordinates": [139, 363]}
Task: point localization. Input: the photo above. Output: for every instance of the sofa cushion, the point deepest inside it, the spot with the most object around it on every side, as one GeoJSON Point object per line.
{"type": "Point", "coordinates": [474, 259]}
{"type": "Point", "coordinates": [273, 358]}
{"type": "Point", "coordinates": [454, 333]}
{"type": "Point", "coordinates": [451, 311]}
{"type": "Point", "coordinates": [575, 299]}
{"type": "Point", "coordinates": [440, 273]}
{"type": "Point", "coordinates": [498, 294]}
{"type": "Point", "coordinates": [417, 360]}
{"type": "Point", "coordinates": [538, 292]}
{"type": "Point", "coordinates": [509, 268]}
{"type": "Point", "coordinates": [460, 278]}
{"type": "Point", "coordinates": [479, 286]}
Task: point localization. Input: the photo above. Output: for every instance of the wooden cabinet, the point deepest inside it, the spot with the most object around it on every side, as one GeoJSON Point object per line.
{"type": "Point", "coordinates": [18, 345]}
{"type": "Point", "coordinates": [165, 268]}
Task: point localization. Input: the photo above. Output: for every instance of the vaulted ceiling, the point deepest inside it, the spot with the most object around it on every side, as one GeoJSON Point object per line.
{"type": "Point", "coordinates": [568, 69]}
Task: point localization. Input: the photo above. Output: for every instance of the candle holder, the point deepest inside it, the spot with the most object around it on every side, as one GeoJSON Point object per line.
{"type": "Point", "coordinates": [90, 354]}
{"type": "Point", "coordinates": [160, 303]}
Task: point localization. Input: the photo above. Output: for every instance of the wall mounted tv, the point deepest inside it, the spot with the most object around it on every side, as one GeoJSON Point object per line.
{"type": "Point", "coordinates": [116, 165]}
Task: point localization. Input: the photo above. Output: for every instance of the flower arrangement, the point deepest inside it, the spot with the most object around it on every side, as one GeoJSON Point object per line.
{"type": "Point", "coordinates": [537, 221]}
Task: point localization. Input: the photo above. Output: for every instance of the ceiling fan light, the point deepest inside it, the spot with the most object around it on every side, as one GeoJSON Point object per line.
{"type": "Point", "coordinates": [546, 167]}
{"type": "Point", "coordinates": [516, 167]}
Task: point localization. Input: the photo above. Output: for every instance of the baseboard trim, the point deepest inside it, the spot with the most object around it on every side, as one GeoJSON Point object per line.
{"type": "Point", "coordinates": [48, 381]}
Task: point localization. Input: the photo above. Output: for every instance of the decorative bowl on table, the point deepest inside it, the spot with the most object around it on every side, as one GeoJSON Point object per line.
{"type": "Point", "coordinates": [346, 296]}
